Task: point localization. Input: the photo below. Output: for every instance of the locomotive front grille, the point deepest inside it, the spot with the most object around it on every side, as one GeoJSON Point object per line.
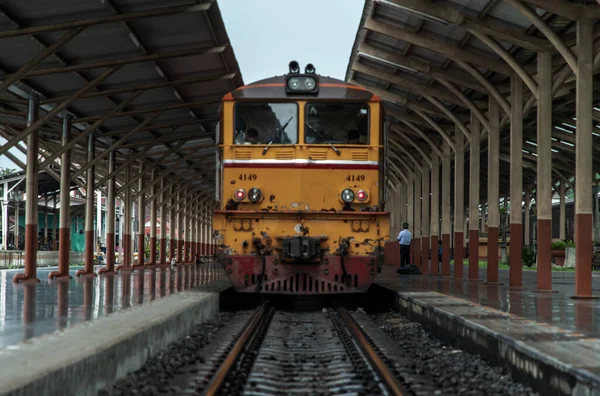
{"type": "Point", "coordinates": [305, 283]}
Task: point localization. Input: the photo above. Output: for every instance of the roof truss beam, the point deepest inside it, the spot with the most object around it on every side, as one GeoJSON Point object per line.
{"type": "Point", "coordinates": [105, 19]}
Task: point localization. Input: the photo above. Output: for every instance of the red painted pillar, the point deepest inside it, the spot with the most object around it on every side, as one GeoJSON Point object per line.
{"type": "Point", "coordinates": [583, 160]}
{"type": "Point", "coordinates": [126, 263]}
{"type": "Point", "coordinates": [473, 254]}
{"type": "Point", "coordinates": [141, 221]}
{"type": "Point", "coordinates": [90, 247]}
{"type": "Point", "coordinates": [153, 215]}
{"type": "Point", "coordinates": [516, 183]}
{"type": "Point", "coordinates": [31, 205]}
{"type": "Point", "coordinates": [446, 208]}
{"type": "Point", "coordinates": [110, 218]}
{"type": "Point", "coordinates": [434, 255]}
{"type": "Point", "coordinates": [493, 190]}
{"type": "Point", "coordinates": [173, 223]}
{"type": "Point", "coordinates": [543, 191]}
{"type": "Point", "coordinates": [65, 210]}
{"type": "Point", "coordinates": [163, 224]}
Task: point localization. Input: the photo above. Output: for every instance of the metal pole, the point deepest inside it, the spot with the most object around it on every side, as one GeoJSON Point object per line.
{"type": "Point", "coordinates": [5, 217]}
{"type": "Point", "coordinates": [153, 210]}
{"type": "Point", "coordinates": [64, 232]}
{"type": "Point", "coordinates": [110, 219]}
{"type": "Point", "coordinates": [141, 220]}
{"type": "Point", "coordinates": [163, 225]}
{"type": "Point", "coordinates": [89, 214]}
{"type": "Point", "coordinates": [31, 205]}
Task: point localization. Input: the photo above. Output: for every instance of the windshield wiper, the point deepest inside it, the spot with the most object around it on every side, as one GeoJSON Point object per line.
{"type": "Point", "coordinates": [335, 149]}
{"type": "Point", "coordinates": [278, 134]}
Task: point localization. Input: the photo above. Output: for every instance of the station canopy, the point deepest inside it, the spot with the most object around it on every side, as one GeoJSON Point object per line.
{"type": "Point", "coordinates": [434, 63]}
{"type": "Point", "coordinates": [145, 77]}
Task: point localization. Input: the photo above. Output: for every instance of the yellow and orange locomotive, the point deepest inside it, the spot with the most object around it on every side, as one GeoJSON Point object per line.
{"type": "Point", "coordinates": [300, 186]}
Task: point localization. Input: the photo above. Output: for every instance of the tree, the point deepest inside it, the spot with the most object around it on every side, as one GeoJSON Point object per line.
{"type": "Point", "coordinates": [5, 172]}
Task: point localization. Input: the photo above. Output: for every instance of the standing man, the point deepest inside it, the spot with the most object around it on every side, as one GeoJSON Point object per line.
{"type": "Point", "coordinates": [404, 238]}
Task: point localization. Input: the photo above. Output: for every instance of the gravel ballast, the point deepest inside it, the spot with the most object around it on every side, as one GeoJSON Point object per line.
{"type": "Point", "coordinates": [454, 372]}
{"type": "Point", "coordinates": [154, 378]}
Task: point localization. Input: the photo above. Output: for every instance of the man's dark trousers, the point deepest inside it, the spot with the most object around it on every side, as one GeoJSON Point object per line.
{"type": "Point", "coordinates": [404, 255]}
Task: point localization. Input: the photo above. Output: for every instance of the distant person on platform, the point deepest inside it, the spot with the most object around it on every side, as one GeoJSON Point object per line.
{"type": "Point", "coordinates": [404, 238]}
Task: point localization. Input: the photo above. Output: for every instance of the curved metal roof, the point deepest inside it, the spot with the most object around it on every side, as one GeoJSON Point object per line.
{"type": "Point", "coordinates": [145, 76]}
{"type": "Point", "coordinates": [434, 63]}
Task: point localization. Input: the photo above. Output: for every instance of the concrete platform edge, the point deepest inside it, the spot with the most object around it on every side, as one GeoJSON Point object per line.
{"type": "Point", "coordinates": [86, 358]}
{"type": "Point", "coordinates": [544, 373]}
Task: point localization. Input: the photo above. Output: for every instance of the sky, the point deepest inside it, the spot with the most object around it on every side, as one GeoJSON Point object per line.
{"type": "Point", "coordinates": [267, 34]}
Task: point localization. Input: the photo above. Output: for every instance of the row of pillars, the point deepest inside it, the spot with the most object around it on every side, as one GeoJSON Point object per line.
{"type": "Point", "coordinates": [189, 213]}
{"type": "Point", "coordinates": [423, 213]}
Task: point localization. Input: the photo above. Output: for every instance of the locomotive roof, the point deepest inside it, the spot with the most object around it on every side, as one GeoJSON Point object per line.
{"type": "Point", "coordinates": [274, 88]}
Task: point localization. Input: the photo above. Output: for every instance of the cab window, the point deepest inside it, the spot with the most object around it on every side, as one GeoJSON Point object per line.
{"type": "Point", "coordinates": [266, 123]}
{"type": "Point", "coordinates": [338, 123]}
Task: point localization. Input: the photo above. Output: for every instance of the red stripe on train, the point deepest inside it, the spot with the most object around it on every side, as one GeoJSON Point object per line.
{"type": "Point", "coordinates": [304, 166]}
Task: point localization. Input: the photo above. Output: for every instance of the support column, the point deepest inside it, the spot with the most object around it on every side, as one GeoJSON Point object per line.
{"type": "Point", "coordinates": [141, 220]}
{"type": "Point", "coordinates": [562, 217]}
{"type": "Point", "coordinates": [90, 246]}
{"type": "Point", "coordinates": [425, 252]}
{"type": "Point", "coordinates": [417, 217]}
{"type": "Point", "coordinates": [446, 167]}
{"type": "Point", "coordinates": [401, 197]}
{"type": "Point", "coordinates": [17, 215]}
{"type": "Point", "coordinates": [527, 233]}
{"type": "Point", "coordinates": [126, 263]}
{"type": "Point", "coordinates": [110, 218]}
{"type": "Point", "coordinates": [46, 202]}
{"type": "Point", "coordinates": [98, 235]}
{"type": "Point", "coordinates": [435, 212]}
{"type": "Point", "coordinates": [173, 224]}
{"type": "Point", "coordinates": [153, 213]}
{"type": "Point", "coordinates": [163, 224]}
{"type": "Point", "coordinates": [5, 217]}
{"type": "Point", "coordinates": [54, 216]}
{"type": "Point", "coordinates": [410, 210]}
{"type": "Point", "coordinates": [543, 199]}
{"type": "Point", "coordinates": [31, 204]}
{"type": "Point", "coordinates": [186, 231]}
{"type": "Point", "coordinates": [583, 160]}
{"type": "Point", "coordinates": [516, 183]}
{"type": "Point", "coordinates": [459, 202]}
{"type": "Point", "coordinates": [203, 230]}
{"type": "Point", "coordinates": [179, 229]}
{"type": "Point", "coordinates": [64, 247]}
{"type": "Point", "coordinates": [493, 191]}
{"type": "Point", "coordinates": [474, 194]}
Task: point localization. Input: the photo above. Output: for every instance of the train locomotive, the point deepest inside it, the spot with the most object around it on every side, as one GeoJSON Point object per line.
{"type": "Point", "coordinates": [300, 186]}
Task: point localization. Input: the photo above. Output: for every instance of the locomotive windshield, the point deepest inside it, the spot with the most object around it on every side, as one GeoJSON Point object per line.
{"type": "Point", "coordinates": [336, 123]}
{"type": "Point", "coordinates": [266, 123]}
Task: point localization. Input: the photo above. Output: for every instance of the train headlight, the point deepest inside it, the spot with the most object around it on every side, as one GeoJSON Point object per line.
{"type": "Point", "coordinates": [294, 83]}
{"type": "Point", "coordinates": [302, 84]}
{"type": "Point", "coordinates": [361, 195]}
{"type": "Point", "coordinates": [254, 195]}
{"type": "Point", "coordinates": [240, 194]}
{"type": "Point", "coordinates": [347, 195]}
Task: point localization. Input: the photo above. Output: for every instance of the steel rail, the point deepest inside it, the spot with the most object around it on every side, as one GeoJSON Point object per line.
{"type": "Point", "coordinates": [225, 368]}
{"type": "Point", "coordinates": [384, 373]}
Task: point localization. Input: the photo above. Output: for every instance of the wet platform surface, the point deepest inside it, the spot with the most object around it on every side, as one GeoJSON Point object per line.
{"type": "Point", "coordinates": [28, 311]}
{"type": "Point", "coordinates": [581, 317]}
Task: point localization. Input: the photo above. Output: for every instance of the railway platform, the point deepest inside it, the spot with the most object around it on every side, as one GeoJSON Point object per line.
{"type": "Point", "coordinates": [549, 339]}
{"type": "Point", "coordinates": [34, 310]}
{"type": "Point", "coordinates": [77, 336]}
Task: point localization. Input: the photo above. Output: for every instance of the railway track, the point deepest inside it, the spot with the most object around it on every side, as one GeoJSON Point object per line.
{"type": "Point", "coordinates": [317, 353]}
